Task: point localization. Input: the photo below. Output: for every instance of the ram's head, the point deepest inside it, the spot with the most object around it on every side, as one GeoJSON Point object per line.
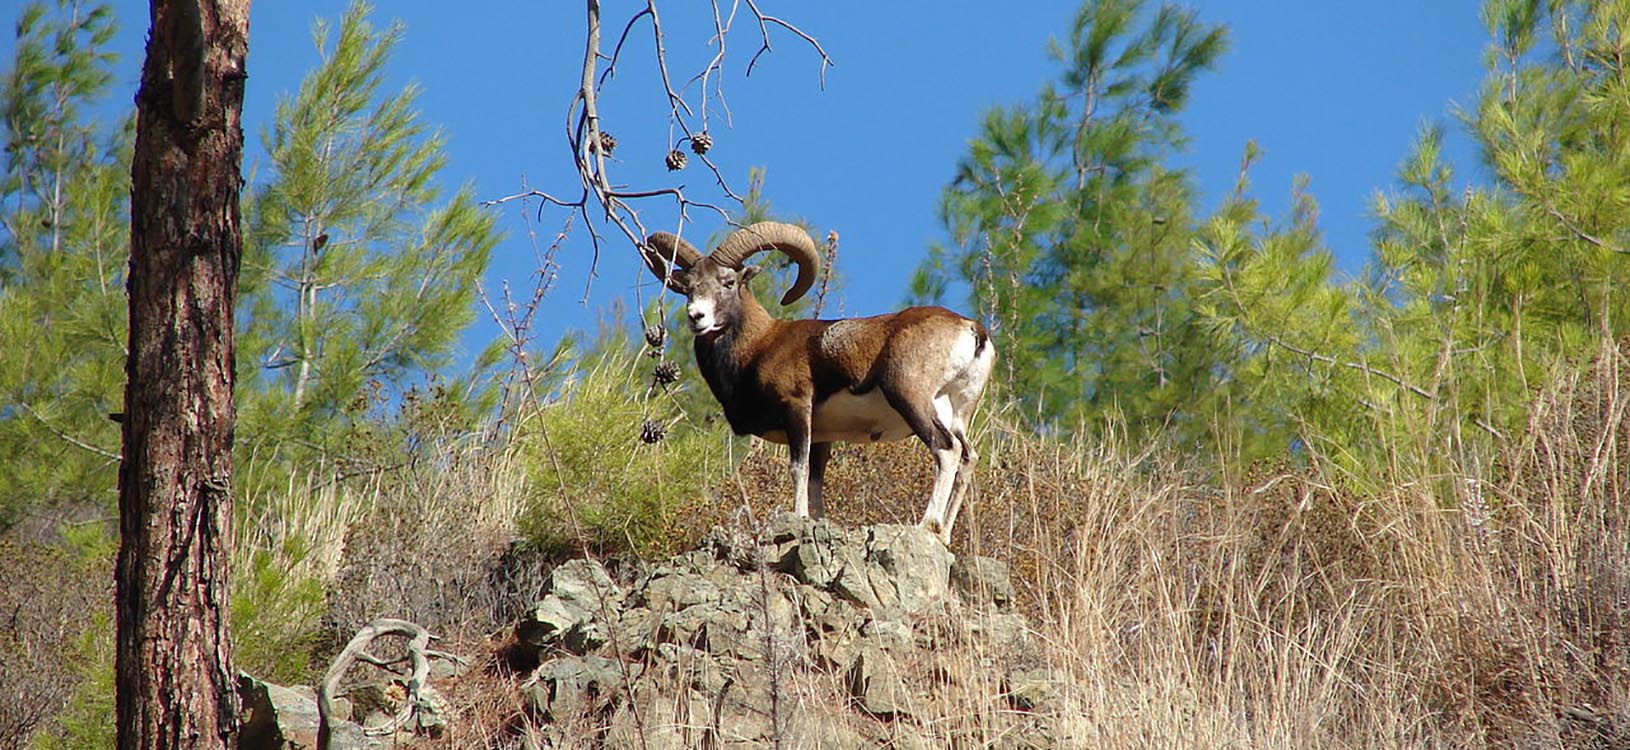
{"type": "Point", "coordinates": [715, 285]}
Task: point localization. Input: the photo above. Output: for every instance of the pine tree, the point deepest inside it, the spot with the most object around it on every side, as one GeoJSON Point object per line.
{"type": "Point", "coordinates": [1476, 293]}
{"type": "Point", "coordinates": [64, 191]}
{"type": "Point", "coordinates": [1480, 292]}
{"type": "Point", "coordinates": [1072, 234]}
{"type": "Point", "coordinates": [175, 684]}
{"type": "Point", "coordinates": [1265, 290]}
{"type": "Point", "coordinates": [358, 277]}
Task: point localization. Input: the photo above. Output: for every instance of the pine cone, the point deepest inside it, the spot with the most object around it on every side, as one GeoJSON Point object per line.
{"type": "Point", "coordinates": [665, 373]}
{"type": "Point", "coordinates": [652, 432]}
{"type": "Point", "coordinates": [656, 335]}
{"type": "Point", "coordinates": [607, 144]}
{"type": "Point", "coordinates": [700, 143]}
{"type": "Point", "coordinates": [676, 160]}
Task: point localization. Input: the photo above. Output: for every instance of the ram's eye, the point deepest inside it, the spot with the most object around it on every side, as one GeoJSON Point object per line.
{"type": "Point", "coordinates": [730, 282]}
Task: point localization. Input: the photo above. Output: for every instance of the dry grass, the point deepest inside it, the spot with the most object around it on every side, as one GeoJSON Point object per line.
{"type": "Point", "coordinates": [1470, 608]}
{"type": "Point", "coordinates": [432, 548]}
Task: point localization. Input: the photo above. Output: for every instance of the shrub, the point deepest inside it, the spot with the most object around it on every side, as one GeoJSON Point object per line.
{"type": "Point", "coordinates": [594, 484]}
{"type": "Point", "coordinates": [56, 643]}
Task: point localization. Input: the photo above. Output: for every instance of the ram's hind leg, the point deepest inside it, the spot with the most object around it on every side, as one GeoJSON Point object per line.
{"type": "Point", "coordinates": [923, 416]}
{"type": "Point", "coordinates": [964, 476]}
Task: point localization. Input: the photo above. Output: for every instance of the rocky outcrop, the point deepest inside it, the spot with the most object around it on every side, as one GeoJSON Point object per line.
{"type": "Point", "coordinates": [803, 634]}
{"type": "Point", "coordinates": [806, 633]}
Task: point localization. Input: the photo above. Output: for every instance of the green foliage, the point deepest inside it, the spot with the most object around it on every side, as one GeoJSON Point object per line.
{"type": "Point", "coordinates": [276, 615]}
{"type": "Point", "coordinates": [357, 276]}
{"type": "Point", "coordinates": [1475, 295]}
{"type": "Point", "coordinates": [594, 483]}
{"type": "Point", "coordinates": [64, 188]}
{"type": "Point", "coordinates": [1071, 235]}
{"type": "Point", "coordinates": [1268, 298]}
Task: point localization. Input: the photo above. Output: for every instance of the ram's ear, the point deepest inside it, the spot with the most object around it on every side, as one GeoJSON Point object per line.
{"type": "Point", "coordinates": [749, 272]}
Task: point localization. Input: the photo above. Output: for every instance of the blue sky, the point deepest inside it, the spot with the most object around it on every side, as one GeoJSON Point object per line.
{"type": "Point", "coordinates": [1334, 90]}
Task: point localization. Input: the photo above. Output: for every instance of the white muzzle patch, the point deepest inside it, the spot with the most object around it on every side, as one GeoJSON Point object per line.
{"type": "Point", "coordinates": [701, 315]}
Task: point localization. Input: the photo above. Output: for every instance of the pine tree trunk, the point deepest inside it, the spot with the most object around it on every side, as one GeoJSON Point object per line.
{"type": "Point", "coordinates": [175, 684]}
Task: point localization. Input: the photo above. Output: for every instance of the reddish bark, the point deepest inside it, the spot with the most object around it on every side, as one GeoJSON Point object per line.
{"type": "Point", "coordinates": [176, 687]}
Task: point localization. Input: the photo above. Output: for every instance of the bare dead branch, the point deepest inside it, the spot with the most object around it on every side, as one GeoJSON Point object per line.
{"type": "Point", "coordinates": [417, 648]}
{"type": "Point", "coordinates": [539, 194]}
{"type": "Point", "coordinates": [600, 200]}
{"type": "Point", "coordinates": [764, 21]}
{"type": "Point", "coordinates": [675, 101]}
{"type": "Point", "coordinates": [716, 64]}
{"type": "Point", "coordinates": [826, 272]}
{"type": "Point", "coordinates": [617, 51]}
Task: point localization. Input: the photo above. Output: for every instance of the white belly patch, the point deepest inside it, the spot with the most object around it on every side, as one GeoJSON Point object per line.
{"type": "Point", "coordinates": [866, 418]}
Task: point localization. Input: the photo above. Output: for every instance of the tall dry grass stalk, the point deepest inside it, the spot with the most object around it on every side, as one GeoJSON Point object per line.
{"type": "Point", "coordinates": [303, 526]}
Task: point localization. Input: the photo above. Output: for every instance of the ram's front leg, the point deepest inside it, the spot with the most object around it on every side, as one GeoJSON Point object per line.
{"type": "Point", "coordinates": [818, 455]}
{"type": "Point", "coordinates": [798, 449]}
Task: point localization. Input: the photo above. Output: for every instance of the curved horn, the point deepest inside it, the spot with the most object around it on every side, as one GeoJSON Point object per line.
{"type": "Point", "coordinates": [662, 249]}
{"type": "Point", "coordinates": [773, 235]}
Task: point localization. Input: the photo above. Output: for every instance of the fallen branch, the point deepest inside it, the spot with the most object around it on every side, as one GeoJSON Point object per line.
{"type": "Point", "coordinates": [418, 652]}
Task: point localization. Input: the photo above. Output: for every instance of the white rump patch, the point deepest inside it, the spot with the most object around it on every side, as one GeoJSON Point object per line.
{"type": "Point", "coordinates": [967, 367]}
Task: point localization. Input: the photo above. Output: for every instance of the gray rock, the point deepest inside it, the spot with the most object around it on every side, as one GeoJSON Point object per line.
{"type": "Point", "coordinates": [824, 730]}
{"type": "Point", "coordinates": [546, 623]}
{"type": "Point", "coordinates": [730, 634]}
{"type": "Point", "coordinates": [283, 718]}
{"type": "Point", "coordinates": [637, 630]}
{"type": "Point", "coordinates": [884, 567]}
{"type": "Point", "coordinates": [430, 719]}
{"type": "Point", "coordinates": [889, 635]}
{"type": "Point", "coordinates": [982, 580]}
{"type": "Point", "coordinates": [907, 567]}
{"type": "Point", "coordinates": [879, 685]}
{"type": "Point", "coordinates": [276, 717]}
{"type": "Point", "coordinates": [1000, 629]}
{"type": "Point", "coordinates": [586, 586]}
{"type": "Point", "coordinates": [577, 685]}
{"type": "Point", "coordinates": [1036, 690]}
{"type": "Point", "coordinates": [661, 720]}
{"type": "Point", "coordinates": [823, 555]}
{"type": "Point", "coordinates": [674, 590]}
{"type": "Point", "coordinates": [572, 615]}
{"type": "Point", "coordinates": [444, 667]}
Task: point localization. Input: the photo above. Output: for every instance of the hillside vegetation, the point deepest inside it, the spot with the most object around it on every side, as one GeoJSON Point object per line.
{"type": "Point", "coordinates": [1244, 501]}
